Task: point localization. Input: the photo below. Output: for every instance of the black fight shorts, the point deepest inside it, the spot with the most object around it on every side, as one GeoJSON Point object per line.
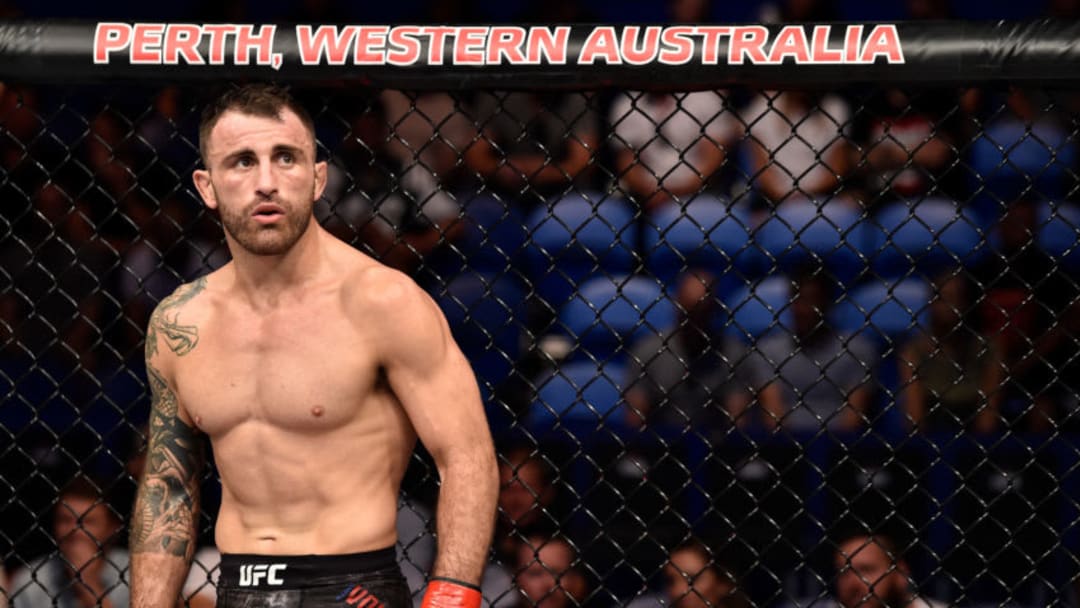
{"type": "Point", "coordinates": [359, 580]}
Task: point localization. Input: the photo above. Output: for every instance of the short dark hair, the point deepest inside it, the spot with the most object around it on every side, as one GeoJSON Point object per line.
{"type": "Point", "coordinates": [258, 99]}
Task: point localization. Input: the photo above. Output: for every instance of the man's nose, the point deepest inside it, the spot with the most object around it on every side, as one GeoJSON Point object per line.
{"type": "Point", "coordinates": [266, 186]}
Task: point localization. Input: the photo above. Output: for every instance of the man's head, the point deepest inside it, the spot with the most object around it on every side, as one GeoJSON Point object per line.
{"type": "Point", "coordinates": [547, 573]}
{"type": "Point", "coordinates": [525, 487]}
{"type": "Point", "coordinates": [261, 173]}
{"type": "Point", "coordinates": [83, 523]}
{"type": "Point", "coordinates": [692, 578]}
{"type": "Point", "coordinates": [870, 573]}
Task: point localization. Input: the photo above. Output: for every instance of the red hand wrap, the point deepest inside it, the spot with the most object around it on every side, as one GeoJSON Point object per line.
{"type": "Point", "coordinates": [442, 593]}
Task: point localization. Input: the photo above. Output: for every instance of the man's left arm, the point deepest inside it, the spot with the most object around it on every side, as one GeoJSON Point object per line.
{"type": "Point", "coordinates": [437, 388]}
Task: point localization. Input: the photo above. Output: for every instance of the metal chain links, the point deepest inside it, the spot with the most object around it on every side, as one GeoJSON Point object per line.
{"type": "Point", "coordinates": [762, 321]}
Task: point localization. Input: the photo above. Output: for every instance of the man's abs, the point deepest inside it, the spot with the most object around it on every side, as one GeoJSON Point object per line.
{"type": "Point", "coordinates": [286, 492]}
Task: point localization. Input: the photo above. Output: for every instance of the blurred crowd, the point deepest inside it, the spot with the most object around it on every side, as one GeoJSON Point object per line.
{"type": "Point", "coordinates": [737, 346]}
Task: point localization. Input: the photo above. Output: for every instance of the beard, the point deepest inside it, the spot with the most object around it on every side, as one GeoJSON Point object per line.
{"type": "Point", "coordinates": [265, 239]}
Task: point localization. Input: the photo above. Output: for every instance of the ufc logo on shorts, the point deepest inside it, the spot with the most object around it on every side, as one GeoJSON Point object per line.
{"type": "Point", "coordinates": [252, 574]}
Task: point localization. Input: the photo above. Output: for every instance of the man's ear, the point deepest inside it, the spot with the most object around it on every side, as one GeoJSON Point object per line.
{"type": "Point", "coordinates": [201, 177]}
{"type": "Point", "coordinates": [320, 179]}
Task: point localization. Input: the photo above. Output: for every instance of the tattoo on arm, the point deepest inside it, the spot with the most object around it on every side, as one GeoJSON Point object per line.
{"type": "Point", "coordinates": [181, 339]}
{"type": "Point", "coordinates": [168, 498]}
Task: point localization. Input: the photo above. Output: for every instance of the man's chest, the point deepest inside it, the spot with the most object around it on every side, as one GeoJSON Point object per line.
{"type": "Point", "coordinates": [304, 372]}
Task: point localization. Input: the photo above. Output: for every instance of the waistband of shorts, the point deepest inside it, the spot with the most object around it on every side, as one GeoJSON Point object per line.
{"type": "Point", "coordinates": [298, 571]}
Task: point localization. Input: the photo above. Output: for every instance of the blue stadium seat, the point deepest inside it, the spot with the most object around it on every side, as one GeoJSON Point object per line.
{"type": "Point", "coordinates": [800, 232]}
{"type": "Point", "coordinates": [608, 314]}
{"type": "Point", "coordinates": [1059, 234]}
{"type": "Point", "coordinates": [889, 314]}
{"type": "Point", "coordinates": [483, 312]}
{"type": "Point", "coordinates": [493, 234]}
{"type": "Point", "coordinates": [1011, 157]}
{"type": "Point", "coordinates": [931, 234]}
{"type": "Point", "coordinates": [583, 399]}
{"type": "Point", "coordinates": [759, 309]}
{"type": "Point", "coordinates": [576, 239]}
{"type": "Point", "coordinates": [707, 233]}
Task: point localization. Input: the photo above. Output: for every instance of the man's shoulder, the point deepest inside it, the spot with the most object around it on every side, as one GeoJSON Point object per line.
{"type": "Point", "coordinates": [175, 321]}
{"type": "Point", "coordinates": [378, 287]}
{"type": "Point", "coordinates": [191, 297]}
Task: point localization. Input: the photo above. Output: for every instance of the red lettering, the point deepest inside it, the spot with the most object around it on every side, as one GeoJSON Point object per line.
{"type": "Point", "coordinates": [791, 42]}
{"type": "Point", "coordinates": [247, 40]}
{"type": "Point", "coordinates": [635, 55]}
{"type": "Point", "coordinates": [218, 34]}
{"type": "Point", "coordinates": [327, 41]}
{"type": "Point", "coordinates": [469, 46]}
{"type": "Point", "coordinates": [436, 47]}
{"type": "Point", "coordinates": [109, 37]}
{"type": "Point", "coordinates": [851, 43]}
{"type": "Point", "coordinates": [600, 44]}
{"type": "Point", "coordinates": [371, 45]}
{"type": "Point", "coordinates": [506, 42]}
{"type": "Point", "coordinates": [543, 43]}
{"type": "Point", "coordinates": [820, 41]}
{"type": "Point", "coordinates": [711, 44]}
{"type": "Point", "coordinates": [679, 46]}
{"type": "Point", "coordinates": [884, 41]}
{"type": "Point", "coordinates": [146, 43]}
{"type": "Point", "coordinates": [404, 47]}
{"type": "Point", "coordinates": [748, 41]}
{"type": "Point", "coordinates": [358, 593]}
{"type": "Point", "coordinates": [183, 39]}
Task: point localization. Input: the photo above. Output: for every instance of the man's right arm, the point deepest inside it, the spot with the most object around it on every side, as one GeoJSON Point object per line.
{"type": "Point", "coordinates": [163, 523]}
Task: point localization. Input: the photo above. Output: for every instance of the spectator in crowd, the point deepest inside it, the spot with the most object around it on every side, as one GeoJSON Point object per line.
{"type": "Point", "coordinates": [950, 375]}
{"type": "Point", "coordinates": [526, 496]}
{"type": "Point", "coordinates": [1023, 296]}
{"type": "Point", "coordinates": [910, 142]}
{"type": "Point", "coordinates": [548, 574]}
{"type": "Point", "coordinates": [58, 258]}
{"type": "Point", "coordinates": [88, 569]}
{"type": "Point", "coordinates": [1023, 148]}
{"type": "Point", "coordinates": [427, 137]}
{"type": "Point", "coordinates": [668, 146]}
{"type": "Point", "coordinates": [526, 493]}
{"type": "Point", "coordinates": [1051, 372]}
{"type": "Point", "coordinates": [798, 144]}
{"type": "Point", "coordinates": [871, 573]}
{"type": "Point", "coordinates": [684, 375]}
{"type": "Point", "coordinates": [812, 376]}
{"type": "Point", "coordinates": [693, 578]}
{"type": "Point", "coordinates": [534, 142]}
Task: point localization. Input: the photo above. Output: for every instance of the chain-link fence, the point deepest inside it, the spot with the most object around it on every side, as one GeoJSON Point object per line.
{"type": "Point", "coordinates": [737, 347]}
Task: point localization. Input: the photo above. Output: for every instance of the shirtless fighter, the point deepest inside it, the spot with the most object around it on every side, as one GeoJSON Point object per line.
{"type": "Point", "coordinates": [312, 370]}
